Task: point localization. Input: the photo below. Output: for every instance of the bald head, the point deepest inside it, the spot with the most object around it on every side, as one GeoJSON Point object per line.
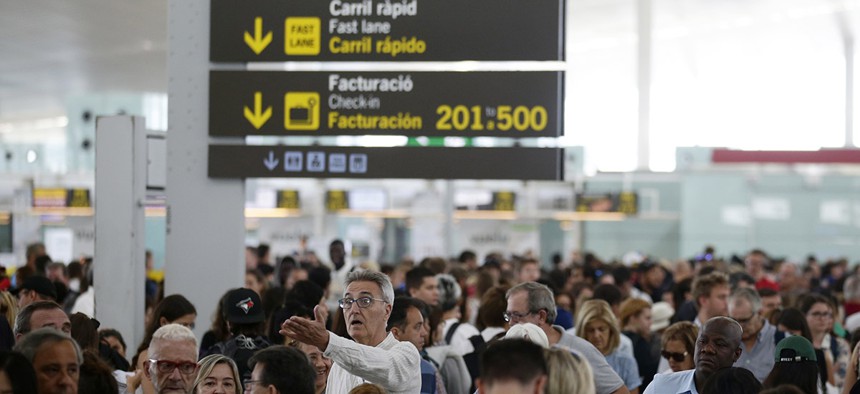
{"type": "Point", "coordinates": [718, 346]}
{"type": "Point", "coordinates": [726, 325]}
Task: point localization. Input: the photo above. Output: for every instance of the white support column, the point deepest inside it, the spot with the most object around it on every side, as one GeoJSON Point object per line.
{"type": "Point", "coordinates": [448, 209]}
{"type": "Point", "coordinates": [205, 222]}
{"type": "Point", "coordinates": [644, 80]}
{"type": "Point", "coordinates": [849, 90]}
{"type": "Point", "coordinates": [120, 245]}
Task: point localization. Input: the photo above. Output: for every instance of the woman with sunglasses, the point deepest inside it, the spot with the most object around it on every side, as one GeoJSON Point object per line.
{"type": "Point", "coordinates": [679, 345]}
{"type": "Point", "coordinates": [596, 323]}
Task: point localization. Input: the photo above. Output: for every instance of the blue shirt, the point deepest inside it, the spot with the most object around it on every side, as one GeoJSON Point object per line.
{"type": "Point", "coordinates": [760, 359]}
{"type": "Point", "coordinates": [683, 382]}
{"type": "Point", "coordinates": [428, 377]}
{"type": "Point", "coordinates": [626, 368]}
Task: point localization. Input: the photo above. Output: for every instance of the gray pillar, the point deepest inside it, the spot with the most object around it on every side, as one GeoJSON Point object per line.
{"type": "Point", "coordinates": [120, 235]}
{"type": "Point", "coordinates": [846, 31]}
{"type": "Point", "coordinates": [849, 90]}
{"type": "Point", "coordinates": [205, 219]}
{"type": "Point", "coordinates": [644, 80]}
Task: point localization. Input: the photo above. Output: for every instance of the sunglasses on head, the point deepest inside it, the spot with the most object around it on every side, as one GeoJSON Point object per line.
{"type": "Point", "coordinates": [678, 357]}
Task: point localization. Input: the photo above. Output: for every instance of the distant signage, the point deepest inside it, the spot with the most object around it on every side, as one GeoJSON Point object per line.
{"type": "Point", "coordinates": [288, 199]}
{"type": "Point", "coordinates": [336, 200]}
{"type": "Point", "coordinates": [624, 202]}
{"type": "Point", "coordinates": [386, 30]}
{"type": "Point", "coordinates": [244, 161]}
{"type": "Point", "coordinates": [61, 198]}
{"type": "Point", "coordinates": [6, 232]}
{"type": "Point", "coordinates": [497, 104]}
{"type": "Point", "coordinates": [495, 201]}
{"type": "Point", "coordinates": [504, 201]}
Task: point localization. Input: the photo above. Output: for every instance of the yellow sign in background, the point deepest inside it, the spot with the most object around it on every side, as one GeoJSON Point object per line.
{"type": "Point", "coordinates": [302, 111]}
{"type": "Point", "coordinates": [302, 36]}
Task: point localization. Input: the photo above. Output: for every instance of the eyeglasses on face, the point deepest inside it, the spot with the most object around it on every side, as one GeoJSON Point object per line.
{"type": "Point", "coordinates": [166, 366]}
{"type": "Point", "coordinates": [678, 357]}
{"type": "Point", "coordinates": [819, 315]}
{"type": "Point", "coordinates": [516, 316]}
{"type": "Point", "coordinates": [746, 321]}
{"type": "Point", "coordinates": [363, 302]}
{"type": "Point", "coordinates": [249, 384]}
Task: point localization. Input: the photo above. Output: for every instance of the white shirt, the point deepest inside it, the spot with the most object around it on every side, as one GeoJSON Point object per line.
{"type": "Point", "coordinates": [460, 341]}
{"type": "Point", "coordinates": [490, 332]}
{"type": "Point", "coordinates": [683, 382]}
{"type": "Point", "coordinates": [394, 365]}
{"type": "Point", "coordinates": [86, 303]}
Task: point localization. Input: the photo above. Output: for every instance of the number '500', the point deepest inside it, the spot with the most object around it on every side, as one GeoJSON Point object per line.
{"type": "Point", "coordinates": [461, 117]}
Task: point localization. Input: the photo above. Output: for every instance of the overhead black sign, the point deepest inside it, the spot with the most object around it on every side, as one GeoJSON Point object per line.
{"type": "Point", "coordinates": [499, 104]}
{"type": "Point", "coordinates": [242, 161]}
{"type": "Point", "coordinates": [386, 30]}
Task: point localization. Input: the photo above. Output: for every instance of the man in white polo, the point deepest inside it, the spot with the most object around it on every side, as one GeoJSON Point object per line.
{"type": "Point", "coordinates": [376, 356]}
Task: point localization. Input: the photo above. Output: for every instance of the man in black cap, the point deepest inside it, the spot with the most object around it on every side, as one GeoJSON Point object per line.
{"type": "Point", "coordinates": [243, 311]}
{"type": "Point", "coordinates": [36, 288]}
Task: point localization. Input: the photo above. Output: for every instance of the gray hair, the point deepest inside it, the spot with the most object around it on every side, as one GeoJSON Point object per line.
{"type": "Point", "coordinates": [22, 320]}
{"type": "Point", "coordinates": [29, 344]}
{"type": "Point", "coordinates": [449, 292]}
{"type": "Point", "coordinates": [750, 295]}
{"type": "Point", "coordinates": [540, 298]}
{"type": "Point", "coordinates": [174, 332]}
{"type": "Point", "coordinates": [376, 277]}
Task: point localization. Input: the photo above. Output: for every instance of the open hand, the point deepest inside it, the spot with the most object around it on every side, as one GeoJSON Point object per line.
{"type": "Point", "coordinates": [311, 332]}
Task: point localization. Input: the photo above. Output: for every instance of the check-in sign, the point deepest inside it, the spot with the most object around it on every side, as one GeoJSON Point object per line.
{"type": "Point", "coordinates": [496, 104]}
{"type": "Point", "coordinates": [386, 30]}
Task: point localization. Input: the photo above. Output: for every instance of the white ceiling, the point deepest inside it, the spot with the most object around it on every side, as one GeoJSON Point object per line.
{"type": "Point", "coordinates": [54, 49]}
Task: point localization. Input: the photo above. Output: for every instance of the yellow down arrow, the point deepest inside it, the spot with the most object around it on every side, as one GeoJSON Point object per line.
{"type": "Point", "coordinates": [256, 117]}
{"type": "Point", "coordinates": [258, 42]}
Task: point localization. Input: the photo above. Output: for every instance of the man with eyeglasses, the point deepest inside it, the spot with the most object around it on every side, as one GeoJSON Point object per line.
{"type": "Point", "coordinates": [532, 302]}
{"type": "Point", "coordinates": [172, 364]}
{"type": "Point", "coordinates": [376, 356]}
{"type": "Point", "coordinates": [759, 338]}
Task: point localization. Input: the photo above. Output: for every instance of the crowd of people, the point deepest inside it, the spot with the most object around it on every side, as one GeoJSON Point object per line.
{"type": "Point", "coordinates": [505, 324]}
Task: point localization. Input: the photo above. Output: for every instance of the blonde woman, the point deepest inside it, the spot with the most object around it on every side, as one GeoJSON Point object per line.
{"type": "Point", "coordinates": [569, 372]}
{"type": "Point", "coordinates": [217, 373]}
{"type": "Point", "coordinates": [8, 307]}
{"type": "Point", "coordinates": [597, 324]}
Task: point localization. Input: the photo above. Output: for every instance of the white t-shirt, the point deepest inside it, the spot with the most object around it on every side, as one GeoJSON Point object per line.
{"type": "Point", "coordinates": [683, 382]}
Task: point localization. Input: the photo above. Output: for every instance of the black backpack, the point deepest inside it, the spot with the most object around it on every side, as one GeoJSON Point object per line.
{"type": "Point", "coordinates": [473, 359]}
{"type": "Point", "coordinates": [240, 349]}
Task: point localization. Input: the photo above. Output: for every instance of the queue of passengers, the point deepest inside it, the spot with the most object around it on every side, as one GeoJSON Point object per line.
{"type": "Point", "coordinates": [746, 324]}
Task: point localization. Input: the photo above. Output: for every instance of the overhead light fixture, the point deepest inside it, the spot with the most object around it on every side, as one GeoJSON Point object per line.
{"type": "Point", "coordinates": [54, 122]}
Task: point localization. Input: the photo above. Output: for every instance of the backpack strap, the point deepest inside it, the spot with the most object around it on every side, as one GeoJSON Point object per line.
{"type": "Point", "coordinates": [451, 332]}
